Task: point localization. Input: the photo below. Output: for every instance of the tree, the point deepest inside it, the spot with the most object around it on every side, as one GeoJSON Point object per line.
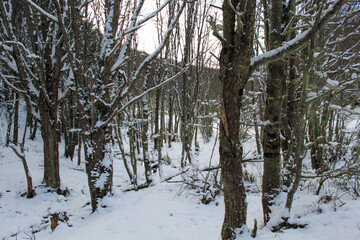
{"type": "Point", "coordinates": [101, 91]}
{"type": "Point", "coordinates": [280, 15]}
{"type": "Point", "coordinates": [236, 67]}
{"type": "Point", "coordinates": [35, 62]}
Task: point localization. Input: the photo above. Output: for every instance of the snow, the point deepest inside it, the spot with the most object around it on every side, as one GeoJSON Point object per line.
{"type": "Point", "coordinates": [332, 83]}
{"type": "Point", "coordinates": [275, 51]}
{"type": "Point", "coordinates": [151, 214]}
{"type": "Point", "coordinates": [48, 15]}
{"type": "Point", "coordinates": [165, 211]}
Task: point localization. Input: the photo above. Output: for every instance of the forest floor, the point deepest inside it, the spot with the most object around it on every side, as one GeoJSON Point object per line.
{"type": "Point", "coordinates": [168, 210]}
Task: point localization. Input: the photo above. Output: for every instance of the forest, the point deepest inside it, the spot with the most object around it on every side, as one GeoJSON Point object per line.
{"type": "Point", "coordinates": [240, 121]}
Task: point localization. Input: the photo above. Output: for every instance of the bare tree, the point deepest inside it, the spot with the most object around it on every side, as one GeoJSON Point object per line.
{"type": "Point", "coordinates": [36, 73]}
{"type": "Point", "coordinates": [236, 67]}
{"type": "Point", "coordinates": [101, 91]}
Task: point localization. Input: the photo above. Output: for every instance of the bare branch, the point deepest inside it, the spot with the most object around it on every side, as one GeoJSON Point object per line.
{"type": "Point", "coordinates": [133, 100]}
{"type": "Point", "coordinates": [215, 29]}
{"type": "Point", "coordinates": [11, 85]}
{"type": "Point", "coordinates": [30, 54]}
{"type": "Point", "coordinates": [298, 42]}
{"type": "Point", "coordinates": [42, 11]}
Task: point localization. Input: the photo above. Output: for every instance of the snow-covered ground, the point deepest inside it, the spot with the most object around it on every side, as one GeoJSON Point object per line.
{"type": "Point", "coordinates": [167, 210]}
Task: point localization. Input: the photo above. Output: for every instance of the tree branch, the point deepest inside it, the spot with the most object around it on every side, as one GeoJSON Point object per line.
{"type": "Point", "coordinates": [42, 11]}
{"type": "Point", "coordinates": [297, 43]}
{"type": "Point", "coordinates": [117, 112]}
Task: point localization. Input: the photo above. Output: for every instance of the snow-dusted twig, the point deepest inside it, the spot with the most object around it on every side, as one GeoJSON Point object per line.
{"type": "Point", "coordinates": [298, 42]}
{"type": "Point", "coordinates": [42, 11]}
{"type": "Point", "coordinates": [117, 112]}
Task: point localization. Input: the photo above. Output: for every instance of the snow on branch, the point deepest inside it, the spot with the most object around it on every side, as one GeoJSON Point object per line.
{"type": "Point", "coordinates": [152, 89]}
{"type": "Point", "coordinates": [153, 14]}
{"type": "Point", "coordinates": [133, 100]}
{"type": "Point", "coordinates": [146, 61]}
{"type": "Point", "coordinates": [161, 46]}
{"type": "Point", "coordinates": [10, 84]}
{"type": "Point", "coordinates": [129, 32]}
{"type": "Point", "coordinates": [298, 42]}
{"type": "Point", "coordinates": [141, 22]}
{"type": "Point", "coordinates": [42, 11]}
{"type": "Point", "coordinates": [30, 55]}
{"type": "Point", "coordinates": [280, 52]}
{"type": "Point", "coordinates": [134, 26]}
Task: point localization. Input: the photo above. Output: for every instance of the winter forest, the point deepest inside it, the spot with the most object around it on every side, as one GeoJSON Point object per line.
{"type": "Point", "coordinates": [179, 119]}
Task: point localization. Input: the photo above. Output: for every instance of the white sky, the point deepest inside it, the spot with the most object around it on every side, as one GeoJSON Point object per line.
{"type": "Point", "coordinates": [148, 40]}
{"type": "Point", "coordinates": [147, 34]}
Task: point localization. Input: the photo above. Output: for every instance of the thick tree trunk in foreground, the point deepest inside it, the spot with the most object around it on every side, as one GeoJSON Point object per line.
{"type": "Point", "coordinates": [234, 72]}
{"type": "Point", "coordinates": [271, 140]}
{"type": "Point", "coordinates": [273, 108]}
{"type": "Point", "coordinates": [99, 163]}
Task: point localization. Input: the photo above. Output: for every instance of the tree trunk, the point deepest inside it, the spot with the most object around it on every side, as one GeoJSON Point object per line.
{"type": "Point", "coordinates": [273, 107]}
{"type": "Point", "coordinates": [99, 163]}
{"type": "Point", "coordinates": [133, 160]}
{"type": "Point", "coordinates": [9, 113]}
{"type": "Point", "coordinates": [289, 122]}
{"type": "Point", "coordinates": [299, 135]}
{"type": "Point", "coordinates": [271, 138]}
{"type": "Point", "coordinates": [186, 128]}
{"type": "Point", "coordinates": [256, 120]}
{"type": "Point", "coordinates": [145, 129]}
{"type": "Point", "coordinates": [170, 112]}
{"type": "Point", "coordinates": [16, 119]}
{"type": "Point", "coordinates": [49, 133]}
{"type": "Point", "coordinates": [30, 190]}
{"type": "Point", "coordinates": [79, 148]}
{"type": "Point", "coordinates": [156, 119]}
{"type": "Point", "coordinates": [70, 122]}
{"type": "Point", "coordinates": [234, 73]}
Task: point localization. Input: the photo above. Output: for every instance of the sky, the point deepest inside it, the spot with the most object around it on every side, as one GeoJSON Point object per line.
{"type": "Point", "coordinates": [147, 35]}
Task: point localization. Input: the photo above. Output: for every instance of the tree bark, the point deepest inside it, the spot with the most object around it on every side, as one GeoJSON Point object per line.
{"type": "Point", "coordinates": [16, 118]}
{"type": "Point", "coordinates": [234, 73]}
{"type": "Point", "coordinates": [49, 133]}
{"type": "Point", "coordinates": [99, 164]}
{"type": "Point", "coordinates": [273, 108]}
{"type": "Point", "coordinates": [145, 129]}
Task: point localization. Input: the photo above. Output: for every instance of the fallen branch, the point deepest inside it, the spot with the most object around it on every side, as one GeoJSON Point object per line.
{"type": "Point", "coordinates": [253, 159]}
{"type": "Point", "coordinates": [285, 224]}
{"type": "Point", "coordinates": [138, 187]}
{"type": "Point", "coordinates": [186, 169]}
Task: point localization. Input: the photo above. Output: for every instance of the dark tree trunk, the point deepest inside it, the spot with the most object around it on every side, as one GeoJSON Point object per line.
{"type": "Point", "coordinates": [10, 112]}
{"type": "Point", "coordinates": [145, 129]}
{"type": "Point", "coordinates": [30, 190]}
{"type": "Point", "coordinates": [271, 139]}
{"type": "Point", "coordinates": [156, 119]}
{"type": "Point", "coordinates": [273, 108]}
{"type": "Point", "coordinates": [49, 133]}
{"type": "Point", "coordinates": [170, 112]}
{"type": "Point", "coordinates": [234, 72]}
{"type": "Point", "coordinates": [186, 120]}
{"type": "Point", "coordinates": [289, 122]}
{"type": "Point", "coordinates": [16, 119]}
{"type": "Point", "coordinates": [34, 130]}
{"type": "Point", "coordinates": [70, 122]}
